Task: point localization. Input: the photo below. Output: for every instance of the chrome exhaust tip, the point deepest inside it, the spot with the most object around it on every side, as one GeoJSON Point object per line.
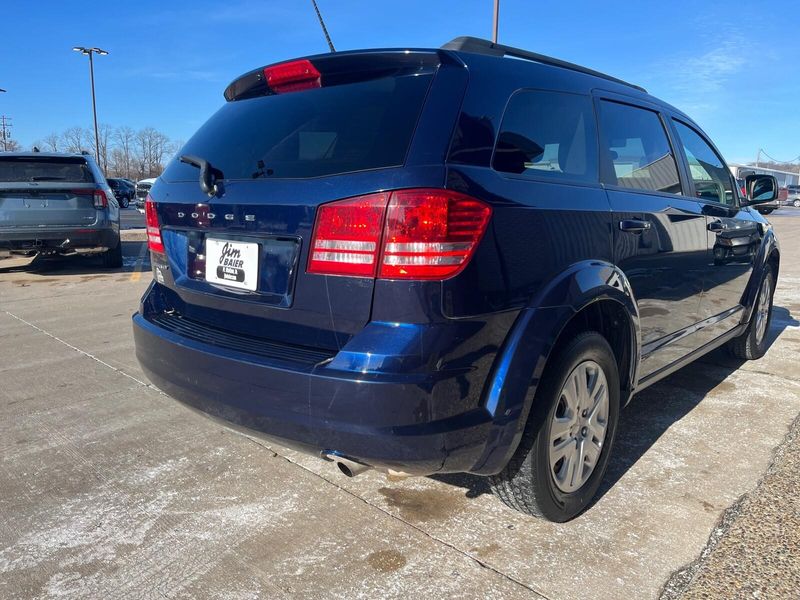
{"type": "Point", "coordinates": [346, 466]}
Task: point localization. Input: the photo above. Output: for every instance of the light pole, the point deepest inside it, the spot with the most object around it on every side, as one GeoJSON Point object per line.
{"type": "Point", "coordinates": [89, 52]}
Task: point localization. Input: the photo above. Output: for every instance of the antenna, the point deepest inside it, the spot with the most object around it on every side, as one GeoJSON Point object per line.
{"type": "Point", "coordinates": [322, 24]}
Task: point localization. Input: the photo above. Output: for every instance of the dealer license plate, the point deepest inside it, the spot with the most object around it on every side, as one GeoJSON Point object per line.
{"type": "Point", "coordinates": [234, 264]}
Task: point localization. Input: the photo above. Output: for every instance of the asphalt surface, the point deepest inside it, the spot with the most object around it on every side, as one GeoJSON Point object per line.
{"type": "Point", "coordinates": [109, 489]}
{"type": "Point", "coordinates": [131, 218]}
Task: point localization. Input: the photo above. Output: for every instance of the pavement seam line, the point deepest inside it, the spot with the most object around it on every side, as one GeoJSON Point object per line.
{"type": "Point", "coordinates": [681, 580]}
{"type": "Point", "coordinates": [397, 518]}
{"type": "Point", "coordinates": [99, 473]}
{"type": "Point", "coordinates": [287, 459]}
{"type": "Point", "coordinates": [83, 352]}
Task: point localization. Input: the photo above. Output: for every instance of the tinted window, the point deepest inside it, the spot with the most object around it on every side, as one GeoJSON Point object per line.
{"type": "Point", "coordinates": [13, 168]}
{"type": "Point", "coordinates": [637, 149]}
{"type": "Point", "coordinates": [712, 180]}
{"type": "Point", "coordinates": [548, 134]}
{"type": "Point", "coordinates": [337, 129]}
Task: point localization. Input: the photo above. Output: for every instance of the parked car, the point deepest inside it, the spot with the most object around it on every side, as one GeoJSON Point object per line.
{"type": "Point", "coordinates": [793, 196]}
{"type": "Point", "coordinates": [56, 204]}
{"type": "Point", "coordinates": [457, 260]}
{"type": "Point", "coordinates": [123, 191]}
{"type": "Point", "coordinates": [142, 189]}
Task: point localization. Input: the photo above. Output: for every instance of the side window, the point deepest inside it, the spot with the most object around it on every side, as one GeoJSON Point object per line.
{"type": "Point", "coordinates": [637, 149]}
{"type": "Point", "coordinates": [712, 180]}
{"type": "Point", "coordinates": [548, 134]}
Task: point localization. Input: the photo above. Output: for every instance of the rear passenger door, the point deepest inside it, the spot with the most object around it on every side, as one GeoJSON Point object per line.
{"type": "Point", "coordinates": [659, 230]}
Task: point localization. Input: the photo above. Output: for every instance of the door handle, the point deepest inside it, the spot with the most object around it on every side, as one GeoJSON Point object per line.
{"type": "Point", "coordinates": [634, 225]}
{"type": "Point", "coordinates": [717, 226]}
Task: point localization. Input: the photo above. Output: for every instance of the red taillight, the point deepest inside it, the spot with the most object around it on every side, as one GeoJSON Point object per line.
{"type": "Point", "coordinates": [347, 236]}
{"type": "Point", "coordinates": [407, 234]}
{"type": "Point", "coordinates": [154, 241]}
{"type": "Point", "coordinates": [100, 199]}
{"type": "Point", "coordinates": [292, 76]}
{"type": "Point", "coordinates": [431, 234]}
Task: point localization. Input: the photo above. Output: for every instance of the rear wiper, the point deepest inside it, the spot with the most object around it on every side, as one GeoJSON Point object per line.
{"type": "Point", "coordinates": [46, 178]}
{"type": "Point", "coordinates": [208, 175]}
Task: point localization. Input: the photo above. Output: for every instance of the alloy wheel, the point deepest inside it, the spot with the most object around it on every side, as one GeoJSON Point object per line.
{"type": "Point", "coordinates": [578, 428]}
{"type": "Point", "coordinates": [762, 309]}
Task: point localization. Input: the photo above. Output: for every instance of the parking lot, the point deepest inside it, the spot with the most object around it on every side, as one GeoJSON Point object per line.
{"type": "Point", "coordinates": [109, 489]}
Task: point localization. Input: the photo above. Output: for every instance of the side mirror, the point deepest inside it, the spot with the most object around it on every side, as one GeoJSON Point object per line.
{"type": "Point", "coordinates": [761, 188]}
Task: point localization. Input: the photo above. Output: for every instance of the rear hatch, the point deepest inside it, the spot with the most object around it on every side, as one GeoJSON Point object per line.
{"type": "Point", "coordinates": [46, 192]}
{"type": "Point", "coordinates": [326, 128]}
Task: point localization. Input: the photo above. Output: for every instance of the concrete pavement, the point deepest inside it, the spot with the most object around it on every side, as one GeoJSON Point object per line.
{"type": "Point", "coordinates": [110, 489]}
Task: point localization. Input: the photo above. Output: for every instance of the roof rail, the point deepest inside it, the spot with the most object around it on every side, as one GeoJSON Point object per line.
{"type": "Point", "coordinates": [481, 46]}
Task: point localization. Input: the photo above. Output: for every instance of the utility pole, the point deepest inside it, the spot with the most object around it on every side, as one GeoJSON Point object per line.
{"type": "Point", "coordinates": [5, 123]}
{"type": "Point", "coordinates": [496, 20]}
{"type": "Point", "coordinates": [89, 52]}
{"type": "Point", "coordinates": [4, 127]}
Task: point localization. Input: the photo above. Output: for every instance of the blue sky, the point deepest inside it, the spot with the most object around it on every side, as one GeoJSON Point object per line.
{"type": "Point", "coordinates": [733, 67]}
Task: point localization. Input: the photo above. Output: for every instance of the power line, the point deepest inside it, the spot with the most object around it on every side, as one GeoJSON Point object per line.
{"type": "Point", "coordinates": [322, 24]}
{"type": "Point", "coordinates": [775, 160]}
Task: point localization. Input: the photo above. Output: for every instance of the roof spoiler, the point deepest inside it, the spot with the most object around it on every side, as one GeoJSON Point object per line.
{"type": "Point", "coordinates": [481, 46]}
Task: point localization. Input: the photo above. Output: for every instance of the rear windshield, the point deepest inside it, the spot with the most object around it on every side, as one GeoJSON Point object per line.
{"type": "Point", "coordinates": [325, 131]}
{"type": "Point", "coordinates": [71, 169]}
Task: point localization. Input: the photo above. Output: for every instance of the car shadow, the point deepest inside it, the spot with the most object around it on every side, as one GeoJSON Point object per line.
{"type": "Point", "coordinates": [645, 420]}
{"type": "Point", "coordinates": [135, 257]}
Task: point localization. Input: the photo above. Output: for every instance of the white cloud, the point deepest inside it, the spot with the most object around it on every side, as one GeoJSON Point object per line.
{"type": "Point", "coordinates": [702, 80]}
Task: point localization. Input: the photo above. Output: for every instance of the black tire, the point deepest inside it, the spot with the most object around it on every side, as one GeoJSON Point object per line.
{"type": "Point", "coordinates": [124, 202]}
{"type": "Point", "coordinates": [752, 344]}
{"type": "Point", "coordinates": [527, 482]}
{"type": "Point", "coordinates": [112, 259]}
{"type": "Point", "coordinates": [796, 203]}
{"type": "Point", "coordinates": [767, 211]}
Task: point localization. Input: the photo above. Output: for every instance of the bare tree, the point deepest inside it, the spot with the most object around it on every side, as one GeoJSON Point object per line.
{"type": "Point", "coordinates": [152, 147]}
{"type": "Point", "coordinates": [123, 161]}
{"type": "Point", "coordinates": [74, 139]}
{"type": "Point", "coordinates": [52, 142]}
{"type": "Point", "coordinates": [123, 151]}
{"type": "Point", "coordinates": [12, 145]}
{"type": "Point", "coordinates": [104, 131]}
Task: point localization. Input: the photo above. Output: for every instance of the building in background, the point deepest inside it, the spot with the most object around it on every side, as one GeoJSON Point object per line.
{"type": "Point", "coordinates": [785, 178]}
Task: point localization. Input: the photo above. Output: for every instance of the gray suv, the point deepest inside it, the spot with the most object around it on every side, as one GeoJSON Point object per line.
{"type": "Point", "coordinates": [56, 204]}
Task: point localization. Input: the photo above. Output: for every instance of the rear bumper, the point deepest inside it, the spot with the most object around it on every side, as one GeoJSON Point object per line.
{"type": "Point", "coordinates": [77, 240]}
{"type": "Point", "coordinates": [383, 421]}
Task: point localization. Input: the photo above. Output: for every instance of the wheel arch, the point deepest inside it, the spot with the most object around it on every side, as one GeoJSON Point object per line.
{"type": "Point", "coordinates": [590, 295]}
{"type": "Point", "coordinates": [769, 256]}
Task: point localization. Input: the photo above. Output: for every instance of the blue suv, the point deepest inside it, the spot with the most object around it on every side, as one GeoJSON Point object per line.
{"type": "Point", "coordinates": [464, 259]}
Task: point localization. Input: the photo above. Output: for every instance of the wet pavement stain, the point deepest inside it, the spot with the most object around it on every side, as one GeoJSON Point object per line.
{"type": "Point", "coordinates": [423, 505]}
{"type": "Point", "coordinates": [652, 311]}
{"type": "Point", "coordinates": [386, 561]}
{"type": "Point", "coordinates": [485, 551]}
{"type": "Point", "coordinates": [724, 387]}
